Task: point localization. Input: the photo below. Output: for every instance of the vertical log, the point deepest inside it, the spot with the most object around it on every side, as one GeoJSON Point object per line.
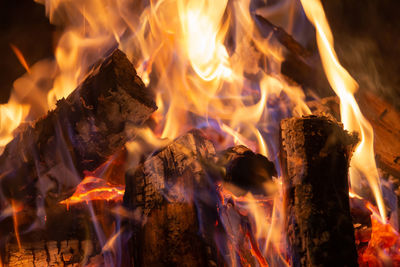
{"type": "Point", "coordinates": [315, 153]}
{"type": "Point", "coordinates": [168, 189]}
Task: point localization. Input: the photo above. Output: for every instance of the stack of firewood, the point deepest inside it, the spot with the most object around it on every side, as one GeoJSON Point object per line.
{"type": "Point", "coordinates": [175, 189]}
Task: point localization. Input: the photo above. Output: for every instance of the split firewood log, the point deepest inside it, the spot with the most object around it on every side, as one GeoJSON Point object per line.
{"type": "Point", "coordinates": [46, 160]}
{"type": "Point", "coordinates": [314, 155]}
{"type": "Point", "coordinates": [170, 188]}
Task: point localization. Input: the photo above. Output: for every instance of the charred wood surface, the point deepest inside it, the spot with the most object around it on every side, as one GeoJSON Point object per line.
{"type": "Point", "coordinates": [245, 169]}
{"type": "Point", "coordinates": [170, 188]}
{"type": "Point", "coordinates": [315, 153]}
{"type": "Point", "coordinates": [46, 160]}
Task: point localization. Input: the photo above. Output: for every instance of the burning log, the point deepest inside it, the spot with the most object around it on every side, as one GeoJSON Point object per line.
{"type": "Point", "coordinates": [315, 153]}
{"type": "Point", "coordinates": [82, 132]}
{"type": "Point", "coordinates": [44, 163]}
{"type": "Point", "coordinates": [169, 187]}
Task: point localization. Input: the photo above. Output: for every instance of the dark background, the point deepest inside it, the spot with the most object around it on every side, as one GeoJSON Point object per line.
{"type": "Point", "coordinates": [366, 32]}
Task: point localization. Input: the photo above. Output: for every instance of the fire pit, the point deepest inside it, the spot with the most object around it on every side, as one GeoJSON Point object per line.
{"type": "Point", "coordinates": [196, 133]}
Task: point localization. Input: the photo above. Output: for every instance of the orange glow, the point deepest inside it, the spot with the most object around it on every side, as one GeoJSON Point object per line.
{"type": "Point", "coordinates": [93, 188]}
{"type": "Point", "coordinates": [20, 57]}
{"type": "Point", "coordinates": [363, 160]}
{"type": "Point", "coordinates": [384, 245]}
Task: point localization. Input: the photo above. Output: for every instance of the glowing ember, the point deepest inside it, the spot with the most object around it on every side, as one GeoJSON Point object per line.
{"type": "Point", "coordinates": [93, 188]}
{"type": "Point", "coordinates": [384, 245]}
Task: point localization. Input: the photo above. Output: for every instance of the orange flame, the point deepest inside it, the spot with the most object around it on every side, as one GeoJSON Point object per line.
{"type": "Point", "coordinates": [15, 209]}
{"type": "Point", "coordinates": [93, 188]}
{"type": "Point", "coordinates": [184, 43]}
{"type": "Point", "coordinates": [20, 57]}
{"type": "Point", "coordinates": [363, 161]}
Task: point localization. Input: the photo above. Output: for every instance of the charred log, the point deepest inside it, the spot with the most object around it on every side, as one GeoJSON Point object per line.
{"type": "Point", "coordinates": [315, 153]}
{"type": "Point", "coordinates": [45, 161]}
{"type": "Point", "coordinates": [169, 188]}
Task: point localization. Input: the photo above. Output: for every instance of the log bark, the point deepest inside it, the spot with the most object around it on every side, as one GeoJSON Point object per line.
{"type": "Point", "coordinates": [46, 160]}
{"type": "Point", "coordinates": [315, 153]}
{"type": "Point", "coordinates": [171, 190]}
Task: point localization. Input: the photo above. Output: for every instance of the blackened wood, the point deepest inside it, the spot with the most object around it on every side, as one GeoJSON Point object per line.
{"type": "Point", "coordinates": [315, 153]}
{"type": "Point", "coordinates": [170, 188]}
{"type": "Point", "coordinates": [45, 161]}
{"type": "Point", "coordinates": [246, 169]}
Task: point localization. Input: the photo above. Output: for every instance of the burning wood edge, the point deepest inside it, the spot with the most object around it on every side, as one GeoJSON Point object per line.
{"type": "Point", "coordinates": [165, 187]}
{"type": "Point", "coordinates": [315, 154]}
{"type": "Point", "coordinates": [46, 160]}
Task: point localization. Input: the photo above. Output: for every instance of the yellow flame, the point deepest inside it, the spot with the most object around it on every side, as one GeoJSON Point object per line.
{"type": "Point", "coordinates": [203, 40]}
{"type": "Point", "coordinates": [11, 115]}
{"type": "Point", "coordinates": [15, 209]}
{"type": "Point", "coordinates": [363, 161]}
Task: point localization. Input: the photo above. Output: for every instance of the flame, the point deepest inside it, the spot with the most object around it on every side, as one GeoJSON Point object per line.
{"type": "Point", "coordinates": [264, 232]}
{"type": "Point", "coordinates": [93, 188]}
{"type": "Point", "coordinates": [363, 161]}
{"type": "Point", "coordinates": [212, 68]}
{"type": "Point", "coordinates": [20, 57]}
{"type": "Point", "coordinates": [11, 116]}
{"type": "Point", "coordinates": [15, 208]}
